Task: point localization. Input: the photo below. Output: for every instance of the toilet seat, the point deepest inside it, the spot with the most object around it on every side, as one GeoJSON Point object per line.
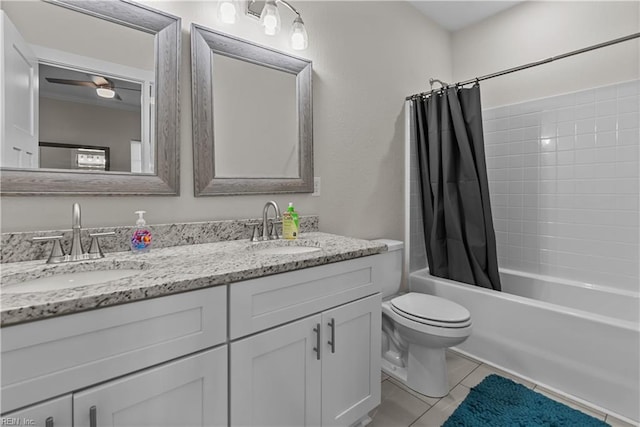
{"type": "Point", "coordinates": [431, 310]}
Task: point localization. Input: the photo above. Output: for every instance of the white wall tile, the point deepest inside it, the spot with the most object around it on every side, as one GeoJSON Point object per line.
{"type": "Point", "coordinates": [563, 129]}
{"type": "Point", "coordinates": [628, 121]}
{"type": "Point", "coordinates": [584, 171]}
{"type": "Point", "coordinates": [587, 140]}
{"type": "Point", "coordinates": [571, 203]}
{"type": "Point", "coordinates": [585, 96]}
{"type": "Point", "coordinates": [606, 154]}
{"type": "Point", "coordinates": [566, 142]}
{"type": "Point", "coordinates": [584, 126]}
{"type": "Point", "coordinates": [628, 137]}
{"type": "Point", "coordinates": [585, 111]}
{"type": "Point", "coordinates": [606, 108]}
{"type": "Point", "coordinates": [605, 171]}
{"type": "Point", "coordinates": [606, 124]}
{"type": "Point", "coordinates": [608, 92]}
{"type": "Point", "coordinates": [606, 138]}
{"type": "Point", "coordinates": [628, 104]}
{"type": "Point", "coordinates": [626, 153]}
{"type": "Point", "coordinates": [628, 88]}
{"type": "Point", "coordinates": [564, 158]}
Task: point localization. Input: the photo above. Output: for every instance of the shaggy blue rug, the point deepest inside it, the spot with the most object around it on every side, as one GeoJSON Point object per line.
{"type": "Point", "coordinates": [498, 401]}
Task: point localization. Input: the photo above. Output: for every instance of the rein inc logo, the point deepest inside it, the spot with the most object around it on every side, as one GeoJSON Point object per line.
{"type": "Point", "coordinates": [17, 421]}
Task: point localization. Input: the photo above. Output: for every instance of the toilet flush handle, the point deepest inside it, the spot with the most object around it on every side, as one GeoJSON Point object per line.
{"type": "Point", "coordinates": [332, 341]}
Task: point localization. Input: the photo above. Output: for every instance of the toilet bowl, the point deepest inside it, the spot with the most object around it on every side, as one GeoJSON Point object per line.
{"type": "Point", "coordinates": [417, 329]}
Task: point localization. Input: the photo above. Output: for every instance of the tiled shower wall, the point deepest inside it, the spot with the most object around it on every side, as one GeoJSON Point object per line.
{"type": "Point", "coordinates": [564, 183]}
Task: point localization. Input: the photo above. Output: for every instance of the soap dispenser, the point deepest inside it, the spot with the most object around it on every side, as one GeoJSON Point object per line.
{"type": "Point", "coordinates": [290, 223]}
{"type": "Point", "coordinates": [141, 237]}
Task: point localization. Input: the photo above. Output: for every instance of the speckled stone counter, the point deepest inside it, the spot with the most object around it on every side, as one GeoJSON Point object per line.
{"type": "Point", "coordinates": [18, 246]}
{"type": "Point", "coordinates": [166, 271]}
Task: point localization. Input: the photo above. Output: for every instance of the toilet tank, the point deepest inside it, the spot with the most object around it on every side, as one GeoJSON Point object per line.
{"type": "Point", "coordinates": [390, 267]}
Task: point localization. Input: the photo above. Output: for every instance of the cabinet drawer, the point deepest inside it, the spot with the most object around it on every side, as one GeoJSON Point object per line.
{"type": "Point", "coordinates": [262, 303]}
{"type": "Point", "coordinates": [59, 355]}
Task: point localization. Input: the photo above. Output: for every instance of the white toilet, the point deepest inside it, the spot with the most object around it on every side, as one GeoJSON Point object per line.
{"type": "Point", "coordinates": [416, 330]}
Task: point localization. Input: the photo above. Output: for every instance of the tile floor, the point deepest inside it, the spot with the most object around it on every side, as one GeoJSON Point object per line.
{"type": "Point", "coordinates": [403, 407]}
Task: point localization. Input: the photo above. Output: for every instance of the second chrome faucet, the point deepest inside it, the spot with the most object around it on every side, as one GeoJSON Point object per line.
{"type": "Point", "coordinates": [266, 235]}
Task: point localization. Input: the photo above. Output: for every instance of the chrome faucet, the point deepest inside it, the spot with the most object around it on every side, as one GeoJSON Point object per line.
{"type": "Point", "coordinates": [265, 224]}
{"type": "Point", "coordinates": [76, 253]}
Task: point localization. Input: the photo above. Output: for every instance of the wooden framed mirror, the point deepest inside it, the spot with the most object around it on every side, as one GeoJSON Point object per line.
{"type": "Point", "coordinates": [252, 117]}
{"type": "Point", "coordinates": [115, 22]}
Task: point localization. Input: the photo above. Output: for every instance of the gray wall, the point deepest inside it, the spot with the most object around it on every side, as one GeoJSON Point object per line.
{"type": "Point", "coordinates": [536, 30]}
{"type": "Point", "coordinates": [51, 26]}
{"type": "Point", "coordinates": [86, 124]}
{"type": "Point", "coordinates": [367, 56]}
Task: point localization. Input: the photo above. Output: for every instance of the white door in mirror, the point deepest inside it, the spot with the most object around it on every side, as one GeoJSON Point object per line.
{"type": "Point", "coordinates": [19, 77]}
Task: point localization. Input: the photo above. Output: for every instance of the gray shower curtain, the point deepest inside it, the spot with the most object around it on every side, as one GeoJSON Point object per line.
{"type": "Point", "coordinates": [458, 227]}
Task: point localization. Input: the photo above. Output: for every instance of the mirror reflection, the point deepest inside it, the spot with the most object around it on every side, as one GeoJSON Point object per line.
{"type": "Point", "coordinates": [256, 130]}
{"type": "Point", "coordinates": [77, 83]}
{"type": "Point", "coordinates": [71, 156]}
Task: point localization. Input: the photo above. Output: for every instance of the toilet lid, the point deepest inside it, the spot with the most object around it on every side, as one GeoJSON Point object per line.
{"type": "Point", "coordinates": [431, 308]}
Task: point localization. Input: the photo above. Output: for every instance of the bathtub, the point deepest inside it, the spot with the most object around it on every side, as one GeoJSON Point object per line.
{"type": "Point", "coordinates": [580, 339]}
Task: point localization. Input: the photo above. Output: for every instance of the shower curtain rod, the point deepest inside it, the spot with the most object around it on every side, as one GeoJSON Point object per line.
{"type": "Point", "coordinates": [529, 65]}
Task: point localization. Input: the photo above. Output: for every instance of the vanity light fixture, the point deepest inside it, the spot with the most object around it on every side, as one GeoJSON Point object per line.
{"type": "Point", "coordinates": [299, 38]}
{"type": "Point", "coordinates": [269, 17]}
{"type": "Point", "coordinates": [227, 11]}
{"type": "Point", "coordinates": [105, 92]}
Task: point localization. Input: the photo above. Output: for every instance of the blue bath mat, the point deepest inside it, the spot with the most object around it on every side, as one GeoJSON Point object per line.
{"type": "Point", "coordinates": [498, 401]}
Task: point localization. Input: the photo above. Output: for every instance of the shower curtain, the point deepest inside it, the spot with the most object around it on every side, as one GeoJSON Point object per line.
{"type": "Point", "coordinates": [458, 227]}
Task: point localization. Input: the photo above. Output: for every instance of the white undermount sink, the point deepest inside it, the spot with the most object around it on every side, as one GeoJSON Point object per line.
{"type": "Point", "coordinates": [284, 250]}
{"type": "Point", "coordinates": [284, 247]}
{"type": "Point", "coordinates": [67, 280]}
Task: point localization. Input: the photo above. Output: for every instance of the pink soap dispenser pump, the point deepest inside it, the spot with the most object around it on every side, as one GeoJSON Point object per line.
{"type": "Point", "coordinates": [141, 237]}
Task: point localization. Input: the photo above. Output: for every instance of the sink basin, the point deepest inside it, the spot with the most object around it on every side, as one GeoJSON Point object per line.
{"type": "Point", "coordinates": [285, 250]}
{"type": "Point", "coordinates": [68, 280]}
{"type": "Point", "coordinates": [284, 247]}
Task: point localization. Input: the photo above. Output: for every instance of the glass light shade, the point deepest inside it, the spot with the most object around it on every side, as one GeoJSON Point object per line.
{"type": "Point", "coordinates": [105, 92]}
{"type": "Point", "coordinates": [227, 11]}
{"type": "Point", "coordinates": [270, 18]}
{"type": "Point", "coordinates": [299, 38]}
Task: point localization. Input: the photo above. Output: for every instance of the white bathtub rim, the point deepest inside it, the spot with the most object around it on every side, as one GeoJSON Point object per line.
{"type": "Point", "coordinates": [624, 324]}
{"type": "Point", "coordinates": [557, 391]}
{"type": "Point", "coordinates": [573, 283]}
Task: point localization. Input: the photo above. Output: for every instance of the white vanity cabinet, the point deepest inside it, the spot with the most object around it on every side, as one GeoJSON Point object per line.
{"type": "Point", "coordinates": [322, 369]}
{"type": "Point", "coordinates": [52, 413]}
{"type": "Point", "coordinates": [191, 391]}
{"type": "Point", "coordinates": [296, 348]}
{"type": "Point", "coordinates": [149, 363]}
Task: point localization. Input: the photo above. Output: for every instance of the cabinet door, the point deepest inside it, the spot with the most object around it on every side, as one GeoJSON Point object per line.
{"type": "Point", "coordinates": [53, 413]}
{"type": "Point", "coordinates": [351, 361]}
{"type": "Point", "coordinates": [191, 391]}
{"type": "Point", "coordinates": [275, 376]}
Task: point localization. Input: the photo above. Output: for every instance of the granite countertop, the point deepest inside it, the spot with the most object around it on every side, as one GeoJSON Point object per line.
{"type": "Point", "coordinates": [166, 271]}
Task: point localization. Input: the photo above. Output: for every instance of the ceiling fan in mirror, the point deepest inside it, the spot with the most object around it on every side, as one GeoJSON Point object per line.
{"type": "Point", "coordinates": [104, 87]}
